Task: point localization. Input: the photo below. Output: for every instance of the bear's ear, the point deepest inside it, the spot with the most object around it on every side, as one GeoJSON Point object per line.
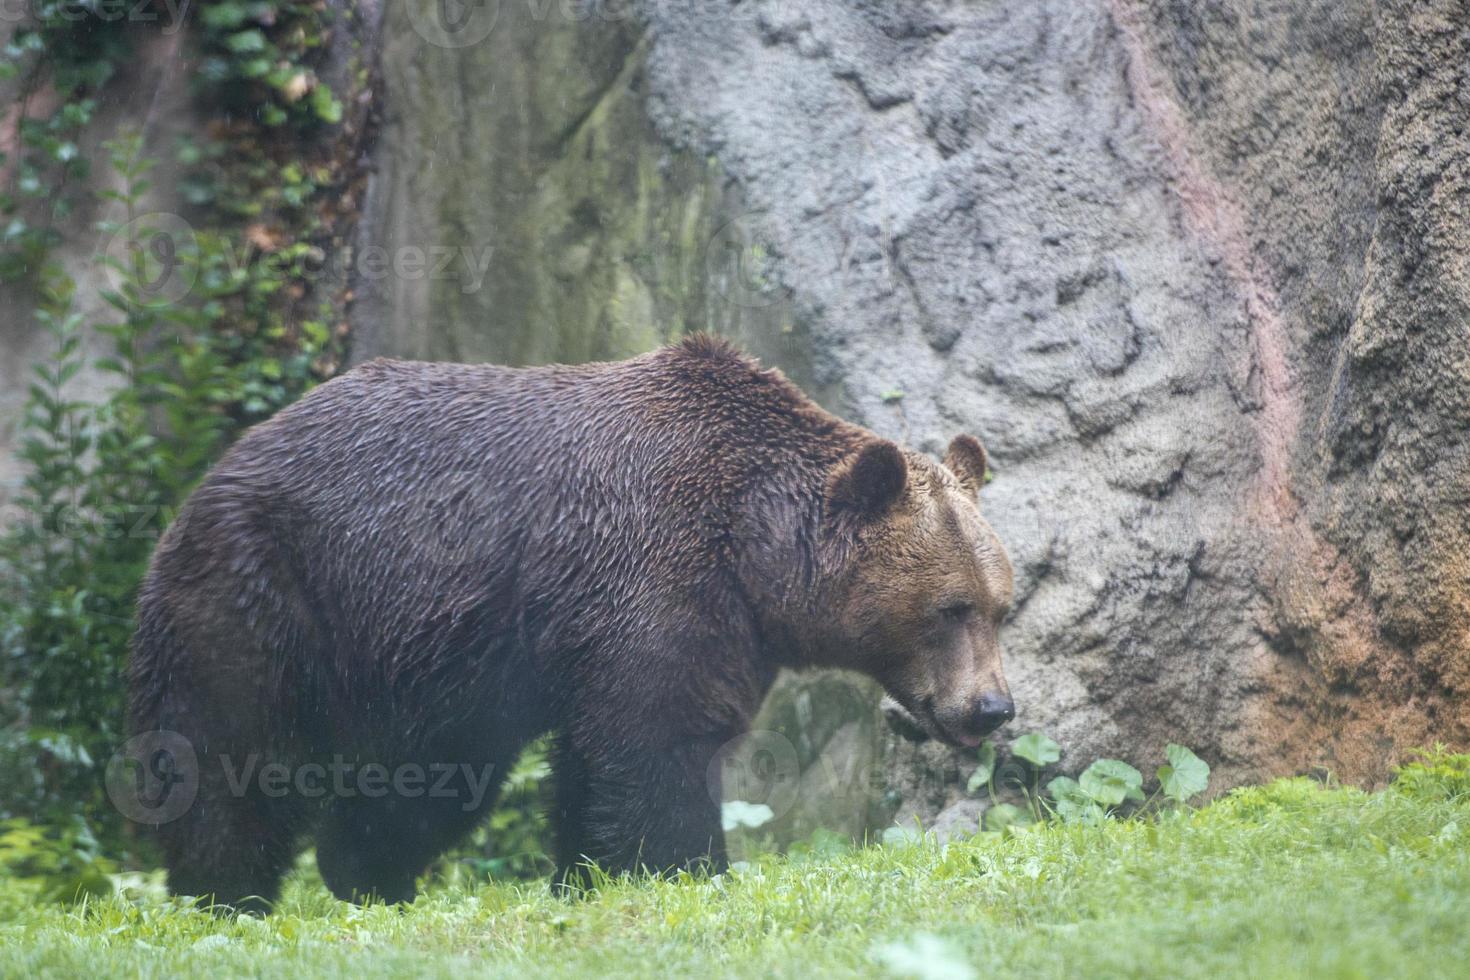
{"type": "Point", "coordinates": [966, 460]}
{"type": "Point", "coordinates": [869, 481]}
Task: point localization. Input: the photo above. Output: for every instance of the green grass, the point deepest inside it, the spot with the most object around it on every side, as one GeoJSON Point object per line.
{"type": "Point", "coordinates": [1290, 879]}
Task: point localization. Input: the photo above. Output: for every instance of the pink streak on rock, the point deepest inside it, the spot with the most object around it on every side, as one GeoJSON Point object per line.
{"type": "Point", "coordinates": [1216, 218]}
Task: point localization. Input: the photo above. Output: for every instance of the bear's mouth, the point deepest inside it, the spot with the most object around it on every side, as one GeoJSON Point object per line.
{"type": "Point", "coordinates": [903, 722]}
{"type": "Point", "coordinates": [948, 737]}
{"type": "Point", "coordinates": [922, 725]}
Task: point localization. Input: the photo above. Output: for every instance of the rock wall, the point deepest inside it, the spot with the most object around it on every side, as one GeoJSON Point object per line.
{"type": "Point", "coordinates": [1195, 275]}
{"type": "Point", "coordinates": [521, 147]}
{"type": "Point", "coordinates": [1337, 137]}
{"type": "Point", "coordinates": [1191, 272]}
{"type": "Point", "coordinates": [973, 207]}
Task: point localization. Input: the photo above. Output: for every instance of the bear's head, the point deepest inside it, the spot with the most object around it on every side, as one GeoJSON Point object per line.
{"type": "Point", "coordinates": [918, 584]}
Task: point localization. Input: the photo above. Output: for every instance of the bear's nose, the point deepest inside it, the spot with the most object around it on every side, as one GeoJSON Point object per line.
{"type": "Point", "coordinates": [990, 712]}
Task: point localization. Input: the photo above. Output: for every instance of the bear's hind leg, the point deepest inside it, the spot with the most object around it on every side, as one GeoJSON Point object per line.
{"type": "Point", "coordinates": [233, 843]}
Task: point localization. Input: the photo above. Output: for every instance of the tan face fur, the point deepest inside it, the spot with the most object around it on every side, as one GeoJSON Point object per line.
{"type": "Point", "coordinates": [926, 588]}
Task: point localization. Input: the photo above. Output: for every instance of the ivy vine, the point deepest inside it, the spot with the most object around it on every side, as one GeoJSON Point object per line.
{"type": "Point", "coordinates": [250, 330]}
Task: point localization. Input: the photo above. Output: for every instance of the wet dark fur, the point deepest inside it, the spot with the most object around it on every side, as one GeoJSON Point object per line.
{"type": "Point", "coordinates": [436, 563]}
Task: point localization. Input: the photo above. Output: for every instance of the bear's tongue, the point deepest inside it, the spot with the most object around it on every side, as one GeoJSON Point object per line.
{"type": "Point", "coordinates": [966, 740]}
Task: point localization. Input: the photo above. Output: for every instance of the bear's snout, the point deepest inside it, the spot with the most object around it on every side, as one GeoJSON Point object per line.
{"type": "Point", "coordinates": [971, 722]}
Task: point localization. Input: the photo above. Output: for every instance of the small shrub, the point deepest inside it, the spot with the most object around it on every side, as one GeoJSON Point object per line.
{"type": "Point", "coordinates": [1102, 790]}
{"type": "Point", "coordinates": [103, 479]}
{"type": "Point", "coordinates": [515, 842]}
{"type": "Point", "coordinates": [61, 862]}
{"type": "Point", "coordinates": [1434, 774]}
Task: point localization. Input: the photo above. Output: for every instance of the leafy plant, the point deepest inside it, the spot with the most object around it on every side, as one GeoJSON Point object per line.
{"type": "Point", "coordinates": [248, 337]}
{"type": "Point", "coordinates": [258, 60]}
{"type": "Point", "coordinates": [259, 73]}
{"type": "Point", "coordinates": [103, 478]}
{"type": "Point", "coordinates": [52, 47]}
{"type": "Point", "coordinates": [1184, 776]}
{"type": "Point", "coordinates": [1434, 773]}
{"type": "Point", "coordinates": [1100, 790]}
{"type": "Point", "coordinates": [1036, 749]}
{"type": "Point", "coordinates": [515, 843]}
{"type": "Point", "coordinates": [1071, 804]}
{"type": "Point", "coordinates": [984, 769]}
{"type": "Point", "coordinates": [1003, 816]}
{"type": "Point", "coordinates": [60, 863]}
{"type": "Point", "coordinates": [1109, 782]}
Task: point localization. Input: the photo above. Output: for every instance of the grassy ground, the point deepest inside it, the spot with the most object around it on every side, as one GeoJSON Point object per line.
{"type": "Point", "coordinates": [1290, 879]}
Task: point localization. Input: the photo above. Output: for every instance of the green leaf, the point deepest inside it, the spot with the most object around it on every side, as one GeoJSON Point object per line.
{"type": "Point", "coordinates": [1004, 815]}
{"type": "Point", "coordinates": [246, 42]}
{"type": "Point", "coordinates": [1110, 782]}
{"type": "Point", "coordinates": [328, 109]}
{"type": "Point", "coordinates": [983, 773]}
{"type": "Point", "coordinates": [1036, 749]}
{"type": "Point", "coordinates": [1070, 803]}
{"type": "Point", "coordinates": [1186, 774]}
{"type": "Point", "coordinates": [900, 836]}
{"type": "Point", "coordinates": [224, 16]}
{"type": "Point", "coordinates": [1064, 788]}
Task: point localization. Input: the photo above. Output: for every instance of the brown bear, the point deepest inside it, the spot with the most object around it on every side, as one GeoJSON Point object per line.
{"type": "Point", "coordinates": [429, 565]}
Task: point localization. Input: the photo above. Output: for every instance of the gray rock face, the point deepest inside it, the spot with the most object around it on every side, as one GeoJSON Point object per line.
{"type": "Point", "coordinates": [1191, 273]}
{"type": "Point", "coordinates": [971, 207]}
{"type": "Point", "coordinates": [1195, 275]}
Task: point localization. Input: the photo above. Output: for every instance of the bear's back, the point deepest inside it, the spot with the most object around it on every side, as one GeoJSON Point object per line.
{"type": "Point", "coordinates": [405, 502]}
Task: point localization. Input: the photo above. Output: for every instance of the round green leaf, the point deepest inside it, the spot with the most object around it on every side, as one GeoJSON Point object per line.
{"type": "Point", "coordinates": [1110, 782]}
{"type": "Point", "coordinates": [1186, 774]}
{"type": "Point", "coordinates": [1004, 815]}
{"type": "Point", "coordinates": [1065, 788]}
{"type": "Point", "coordinates": [1070, 803]}
{"type": "Point", "coordinates": [1036, 749]}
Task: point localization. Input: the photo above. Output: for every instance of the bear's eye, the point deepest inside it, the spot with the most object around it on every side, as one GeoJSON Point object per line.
{"type": "Point", "coordinates": [957, 611]}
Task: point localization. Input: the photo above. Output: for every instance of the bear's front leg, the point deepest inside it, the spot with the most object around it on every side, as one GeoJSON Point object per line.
{"type": "Point", "coordinates": [648, 809]}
